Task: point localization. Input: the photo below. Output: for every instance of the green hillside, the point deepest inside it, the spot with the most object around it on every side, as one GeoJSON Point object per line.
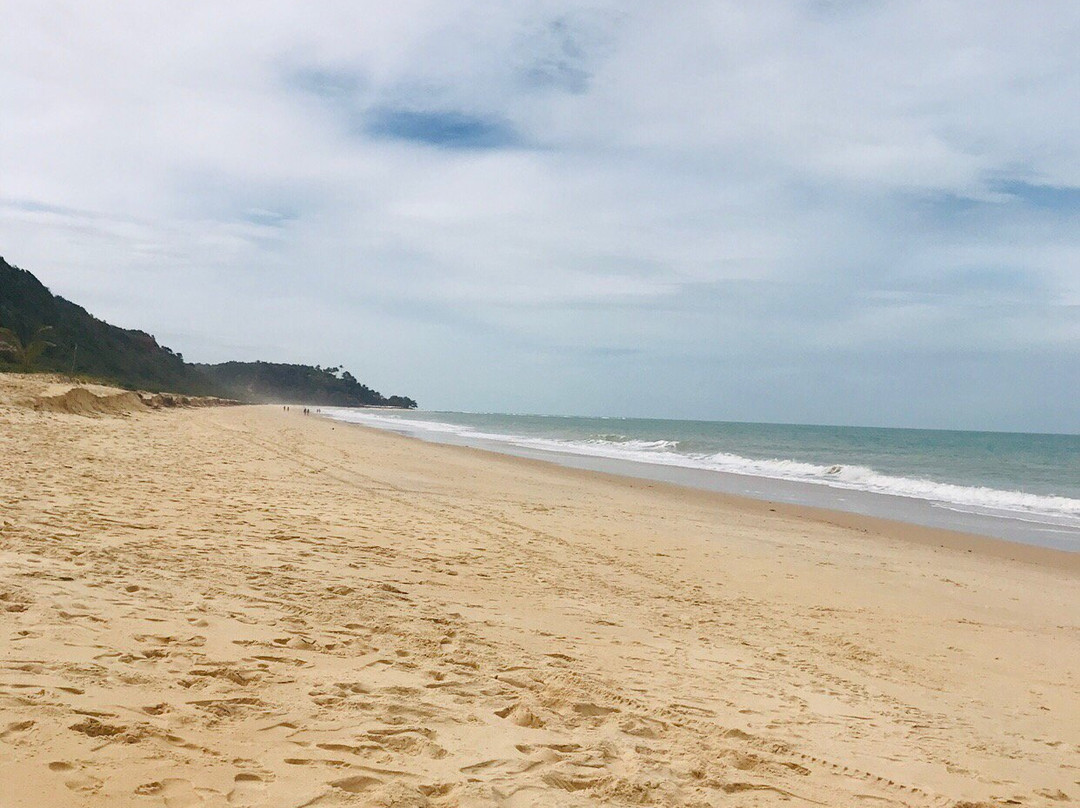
{"type": "Point", "coordinates": [300, 384]}
{"type": "Point", "coordinates": [79, 342]}
{"type": "Point", "coordinates": [127, 358]}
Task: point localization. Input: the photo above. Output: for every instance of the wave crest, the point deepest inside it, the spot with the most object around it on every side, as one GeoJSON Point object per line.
{"type": "Point", "coordinates": [665, 452]}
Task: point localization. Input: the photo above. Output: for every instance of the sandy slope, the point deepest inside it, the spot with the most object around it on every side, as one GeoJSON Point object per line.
{"type": "Point", "coordinates": [247, 607]}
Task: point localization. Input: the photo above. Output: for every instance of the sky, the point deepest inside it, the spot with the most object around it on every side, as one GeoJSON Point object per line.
{"type": "Point", "coordinates": [811, 211]}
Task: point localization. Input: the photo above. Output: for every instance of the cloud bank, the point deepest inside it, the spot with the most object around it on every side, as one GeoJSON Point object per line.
{"type": "Point", "coordinates": [837, 212]}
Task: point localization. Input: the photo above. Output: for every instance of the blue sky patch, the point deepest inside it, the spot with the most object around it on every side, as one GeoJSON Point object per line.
{"type": "Point", "coordinates": [1052, 197]}
{"type": "Point", "coordinates": [444, 129]}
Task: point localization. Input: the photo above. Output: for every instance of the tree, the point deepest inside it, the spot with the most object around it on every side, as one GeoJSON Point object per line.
{"type": "Point", "coordinates": [25, 354]}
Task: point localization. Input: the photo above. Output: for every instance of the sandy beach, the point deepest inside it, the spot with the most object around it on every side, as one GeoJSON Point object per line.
{"type": "Point", "coordinates": [243, 606]}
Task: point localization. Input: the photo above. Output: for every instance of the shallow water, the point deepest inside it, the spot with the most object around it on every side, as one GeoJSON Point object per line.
{"type": "Point", "coordinates": [1022, 487]}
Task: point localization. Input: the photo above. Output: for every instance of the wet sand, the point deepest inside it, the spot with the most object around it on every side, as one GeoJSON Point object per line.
{"type": "Point", "coordinates": [240, 606]}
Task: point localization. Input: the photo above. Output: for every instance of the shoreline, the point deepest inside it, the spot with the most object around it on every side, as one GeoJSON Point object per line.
{"type": "Point", "coordinates": [895, 513]}
{"type": "Point", "coordinates": [248, 607]}
{"type": "Point", "coordinates": [880, 527]}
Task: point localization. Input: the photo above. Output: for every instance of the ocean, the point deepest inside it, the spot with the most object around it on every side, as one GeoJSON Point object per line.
{"type": "Point", "coordinates": [1015, 486]}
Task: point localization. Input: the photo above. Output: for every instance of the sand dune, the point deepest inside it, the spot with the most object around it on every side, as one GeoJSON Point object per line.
{"type": "Point", "coordinates": [239, 606]}
{"type": "Point", "coordinates": [80, 401]}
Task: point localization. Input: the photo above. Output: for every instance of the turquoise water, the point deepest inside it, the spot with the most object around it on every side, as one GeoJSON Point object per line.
{"type": "Point", "coordinates": [1032, 477]}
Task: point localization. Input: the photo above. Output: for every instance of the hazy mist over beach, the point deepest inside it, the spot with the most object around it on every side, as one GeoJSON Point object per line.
{"type": "Point", "coordinates": [814, 212]}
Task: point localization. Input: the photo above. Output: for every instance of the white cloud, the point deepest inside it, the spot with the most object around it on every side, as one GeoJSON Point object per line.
{"type": "Point", "coordinates": [701, 180]}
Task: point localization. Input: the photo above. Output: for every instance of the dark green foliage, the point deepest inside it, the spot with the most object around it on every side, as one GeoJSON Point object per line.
{"type": "Point", "coordinates": [25, 354]}
{"type": "Point", "coordinates": [297, 384]}
{"type": "Point", "coordinates": [131, 359]}
{"type": "Point", "coordinates": [40, 331]}
{"type": "Point", "coordinates": [404, 402]}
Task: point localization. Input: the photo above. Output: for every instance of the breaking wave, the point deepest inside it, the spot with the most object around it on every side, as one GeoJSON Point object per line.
{"type": "Point", "coordinates": [1017, 504]}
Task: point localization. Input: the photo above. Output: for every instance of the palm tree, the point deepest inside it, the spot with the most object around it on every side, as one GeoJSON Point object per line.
{"type": "Point", "coordinates": [26, 354]}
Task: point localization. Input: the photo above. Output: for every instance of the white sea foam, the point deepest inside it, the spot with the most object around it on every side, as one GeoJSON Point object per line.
{"type": "Point", "coordinates": [991, 501]}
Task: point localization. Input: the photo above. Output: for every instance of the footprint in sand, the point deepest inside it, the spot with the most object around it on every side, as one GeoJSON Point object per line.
{"type": "Point", "coordinates": [356, 784]}
{"type": "Point", "coordinates": [590, 710]}
{"type": "Point", "coordinates": [179, 794]}
{"type": "Point", "coordinates": [247, 790]}
{"type": "Point", "coordinates": [82, 782]}
{"type": "Point", "coordinates": [75, 779]}
{"type": "Point", "coordinates": [14, 728]}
